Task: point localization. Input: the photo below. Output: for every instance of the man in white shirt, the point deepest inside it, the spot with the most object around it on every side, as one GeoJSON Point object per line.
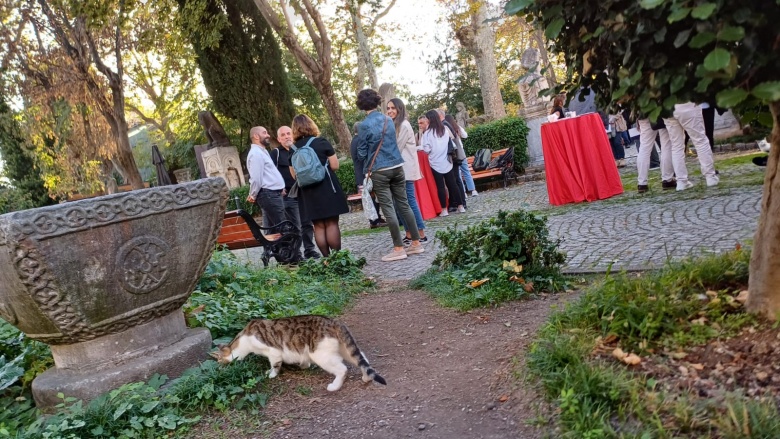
{"type": "Point", "coordinates": [266, 185]}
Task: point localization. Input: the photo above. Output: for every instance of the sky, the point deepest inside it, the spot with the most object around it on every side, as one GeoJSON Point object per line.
{"type": "Point", "coordinates": [417, 27]}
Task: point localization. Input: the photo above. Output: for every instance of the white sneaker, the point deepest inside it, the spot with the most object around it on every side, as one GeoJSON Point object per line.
{"type": "Point", "coordinates": [395, 255]}
{"type": "Point", "coordinates": [444, 212]}
{"type": "Point", "coordinates": [683, 185]}
{"type": "Point", "coordinates": [713, 181]}
{"type": "Point", "coordinates": [461, 209]}
{"type": "Point", "coordinates": [474, 193]}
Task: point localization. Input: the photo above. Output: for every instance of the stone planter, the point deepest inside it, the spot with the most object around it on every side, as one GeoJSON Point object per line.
{"type": "Point", "coordinates": [103, 280]}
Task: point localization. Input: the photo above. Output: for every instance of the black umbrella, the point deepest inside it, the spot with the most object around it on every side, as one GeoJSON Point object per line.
{"type": "Point", "coordinates": [159, 163]}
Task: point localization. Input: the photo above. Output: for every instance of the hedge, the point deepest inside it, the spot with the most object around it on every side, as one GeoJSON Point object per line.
{"type": "Point", "coordinates": [503, 133]}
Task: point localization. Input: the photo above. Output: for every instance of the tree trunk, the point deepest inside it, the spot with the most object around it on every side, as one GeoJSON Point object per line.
{"type": "Point", "coordinates": [366, 69]}
{"type": "Point", "coordinates": [764, 280]}
{"type": "Point", "coordinates": [331, 103]}
{"type": "Point", "coordinates": [484, 44]}
{"type": "Point", "coordinates": [538, 36]}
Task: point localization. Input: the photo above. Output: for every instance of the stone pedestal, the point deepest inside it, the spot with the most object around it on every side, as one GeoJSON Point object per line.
{"type": "Point", "coordinates": [102, 281]}
{"type": "Point", "coordinates": [535, 155]}
{"type": "Point", "coordinates": [85, 370]}
{"type": "Point", "coordinates": [726, 126]}
{"type": "Point", "coordinates": [225, 163]}
{"type": "Point", "coordinates": [182, 175]}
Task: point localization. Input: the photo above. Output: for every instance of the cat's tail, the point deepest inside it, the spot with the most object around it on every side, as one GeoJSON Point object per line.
{"type": "Point", "coordinates": [355, 356]}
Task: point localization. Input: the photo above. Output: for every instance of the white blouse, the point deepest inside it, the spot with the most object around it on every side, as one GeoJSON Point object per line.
{"type": "Point", "coordinates": [436, 148]}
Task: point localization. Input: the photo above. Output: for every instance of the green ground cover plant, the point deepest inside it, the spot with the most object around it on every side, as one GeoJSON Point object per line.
{"type": "Point", "coordinates": [502, 258]}
{"type": "Point", "coordinates": [227, 296]}
{"type": "Point", "coordinates": [657, 316]}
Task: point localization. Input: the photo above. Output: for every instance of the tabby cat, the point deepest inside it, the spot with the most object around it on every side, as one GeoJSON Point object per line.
{"type": "Point", "coordinates": [300, 340]}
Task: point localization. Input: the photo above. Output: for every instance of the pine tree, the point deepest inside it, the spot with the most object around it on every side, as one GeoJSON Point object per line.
{"type": "Point", "coordinates": [243, 72]}
{"type": "Point", "coordinates": [18, 165]}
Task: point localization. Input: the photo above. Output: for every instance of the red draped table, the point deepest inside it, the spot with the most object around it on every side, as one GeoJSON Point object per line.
{"type": "Point", "coordinates": [578, 160]}
{"type": "Point", "coordinates": [425, 189]}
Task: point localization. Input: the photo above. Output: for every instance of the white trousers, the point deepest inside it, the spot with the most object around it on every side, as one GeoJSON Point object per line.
{"type": "Point", "coordinates": [647, 137]}
{"type": "Point", "coordinates": [688, 119]}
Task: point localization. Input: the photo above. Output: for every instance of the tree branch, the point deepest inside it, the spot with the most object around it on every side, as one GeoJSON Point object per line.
{"type": "Point", "coordinates": [324, 55]}
{"type": "Point", "coordinates": [372, 25]}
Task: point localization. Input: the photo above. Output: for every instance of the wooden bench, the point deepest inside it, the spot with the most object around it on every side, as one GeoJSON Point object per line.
{"type": "Point", "coordinates": [507, 171]}
{"type": "Point", "coordinates": [240, 231]}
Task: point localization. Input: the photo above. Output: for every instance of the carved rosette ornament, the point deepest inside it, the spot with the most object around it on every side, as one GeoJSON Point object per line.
{"type": "Point", "coordinates": [81, 270]}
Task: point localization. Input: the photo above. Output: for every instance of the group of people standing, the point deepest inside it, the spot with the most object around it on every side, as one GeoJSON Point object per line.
{"type": "Point", "coordinates": [384, 149]}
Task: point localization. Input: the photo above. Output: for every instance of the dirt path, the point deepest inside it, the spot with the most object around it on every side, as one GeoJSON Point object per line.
{"type": "Point", "coordinates": [449, 374]}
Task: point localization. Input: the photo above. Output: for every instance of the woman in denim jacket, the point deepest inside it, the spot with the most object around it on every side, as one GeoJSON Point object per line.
{"type": "Point", "coordinates": [387, 173]}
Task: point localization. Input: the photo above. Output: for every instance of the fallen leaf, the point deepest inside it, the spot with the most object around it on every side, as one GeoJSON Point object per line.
{"type": "Point", "coordinates": [519, 280]}
{"type": "Point", "coordinates": [611, 338]}
{"type": "Point", "coordinates": [197, 309]}
{"type": "Point", "coordinates": [738, 247]}
{"type": "Point", "coordinates": [476, 283]}
{"type": "Point", "coordinates": [683, 370]}
{"type": "Point", "coordinates": [678, 355]}
{"type": "Point", "coordinates": [508, 324]}
{"type": "Point", "coordinates": [711, 293]}
{"type": "Point", "coordinates": [742, 297]}
{"type": "Point", "coordinates": [762, 376]}
{"type": "Point", "coordinates": [632, 359]}
{"type": "Point", "coordinates": [619, 354]}
{"type": "Point", "coordinates": [699, 321]}
{"type": "Point", "coordinates": [286, 422]}
{"type": "Point", "coordinates": [528, 287]}
{"type": "Point", "coordinates": [697, 366]}
{"type": "Point", "coordinates": [512, 265]}
{"type": "Point", "coordinates": [503, 398]}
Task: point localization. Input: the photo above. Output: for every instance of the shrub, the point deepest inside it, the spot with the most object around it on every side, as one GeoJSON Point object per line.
{"type": "Point", "coordinates": [241, 193]}
{"type": "Point", "coordinates": [346, 176]}
{"type": "Point", "coordinates": [500, 259]}
{"type": "Point", "coordinates": [12, 200]}
{"type": "Point", "coordinates": [504, 133]}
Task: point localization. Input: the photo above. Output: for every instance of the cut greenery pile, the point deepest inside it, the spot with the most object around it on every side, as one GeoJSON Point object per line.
{"type": "Point", "coordinates": [228, 295]}
{"type": "Point", "coordinates": [597, 359]}
{"type": "Point", "coordinates": [503, 258]}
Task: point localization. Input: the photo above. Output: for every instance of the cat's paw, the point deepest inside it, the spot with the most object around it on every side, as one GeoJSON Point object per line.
{"type": "Point", "coordinates": [273, 373]}
{"type": "Point", "coordinates": [367, 379]}
{"type": "Point", "coordinates": [332, 387]}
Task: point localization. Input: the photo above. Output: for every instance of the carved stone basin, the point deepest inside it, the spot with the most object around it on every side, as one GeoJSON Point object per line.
{"type": "Point", "coordinates": [102, 281]}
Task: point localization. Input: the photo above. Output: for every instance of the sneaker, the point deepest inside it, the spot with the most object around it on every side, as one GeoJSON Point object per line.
{"type": "Point", "coordinates": [683, 185]}
{"type": "Point", "coordinates": [452, 209]}
{"type": "Point", "coordinates": [415, 249]}
{"type": "Point", "coordinates": [395, 255]}
{"type": "Point", "coordinates": [669, 184]}
{"type": "Point", "coordinates": [474, 193]}
{"type": "Point", "coordinates": [461, 209]}
{"type": "Point", "coordinates": [408, 241]}
{"type": "Point", "coordinates": [444, 213]}
{"type": "Point", "coordinates": [642, 188]}
{"type": "Point", "coordinates": [713, 181]}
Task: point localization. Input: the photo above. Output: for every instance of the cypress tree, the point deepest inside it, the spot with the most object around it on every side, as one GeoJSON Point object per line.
{"type": "Point", "coordinates": [18, 164]}
{"type": "Point", "coordinates": [244, 73]}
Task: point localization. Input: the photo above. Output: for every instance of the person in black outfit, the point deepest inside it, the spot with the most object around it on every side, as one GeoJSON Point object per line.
{"type": "Point", "coordinates": [321, 202]}
{"type": "Point", "coordinates": [557, 107]}
{"type": "Point", "coordinates": [281, 157]}
{"type": "Point", "coordinates": [358, 165]}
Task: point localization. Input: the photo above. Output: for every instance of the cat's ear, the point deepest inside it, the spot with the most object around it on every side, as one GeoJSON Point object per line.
{"type": "Point", "coordinates": [214, 355]}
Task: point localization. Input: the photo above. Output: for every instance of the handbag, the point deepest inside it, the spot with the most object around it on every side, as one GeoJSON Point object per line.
{"type": "Point", "coordinates": [368, 205]}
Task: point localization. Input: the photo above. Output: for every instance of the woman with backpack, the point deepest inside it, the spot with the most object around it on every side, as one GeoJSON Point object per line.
{"type": "Point", "coordinates": [404, 136]}
{"type": "Point", "coordinates": [383, 164]}
{"type": "Point", "coordinates": [322, 201]}
{"type": "Point", "coordinates": [435, 143]}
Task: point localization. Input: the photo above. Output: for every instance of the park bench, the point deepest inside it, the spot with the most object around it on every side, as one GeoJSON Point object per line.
{"type": "Point", "coordinates": [507, 171]}
{"type": "Point", "coordinates": [240, 231]}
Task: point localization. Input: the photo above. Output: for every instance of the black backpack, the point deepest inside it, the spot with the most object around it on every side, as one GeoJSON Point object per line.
{"type": "Point", "coordinates": [481, 159]}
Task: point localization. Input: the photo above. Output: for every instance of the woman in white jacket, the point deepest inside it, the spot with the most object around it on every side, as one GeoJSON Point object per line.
{"type": "Point", "coordinates": [404, 136]}
{"type": "Point", "coordinates": [435, 143]}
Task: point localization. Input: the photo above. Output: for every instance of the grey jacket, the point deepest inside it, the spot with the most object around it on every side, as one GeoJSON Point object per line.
{"type": "Point", "coordinates": [368, 135]}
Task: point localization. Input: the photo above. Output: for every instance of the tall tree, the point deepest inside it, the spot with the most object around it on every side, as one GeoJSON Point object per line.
{"type": "Point", "coordinates": [87, 31]}
{"type": "Point", "coordinates": [18, 163]}
{"type": "Point", "coordinates": [242, 64]}
{"type": "Point", "coordinates": [317, 66]}
{"type": "Point", "coordinates": [478, 37]}
{"type": "Point", "coordinates": [653, 54]}
{"type": "Point", "coordinates": [363, 32]}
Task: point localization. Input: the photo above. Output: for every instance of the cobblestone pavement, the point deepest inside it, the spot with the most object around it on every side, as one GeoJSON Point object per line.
{"type": "Point", "coordinates": [627, 231]}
